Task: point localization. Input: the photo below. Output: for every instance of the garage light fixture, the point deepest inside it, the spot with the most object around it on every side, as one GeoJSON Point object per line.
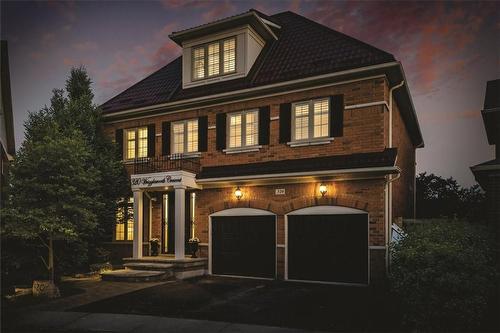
{"type": "Point", "coordinates": [322, 189]}
{"type": "Point", "coordinates": [238, 193]}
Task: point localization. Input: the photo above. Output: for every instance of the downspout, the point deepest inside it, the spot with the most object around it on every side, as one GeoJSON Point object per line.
{"type": "Point", "coordinates": [388, 226]}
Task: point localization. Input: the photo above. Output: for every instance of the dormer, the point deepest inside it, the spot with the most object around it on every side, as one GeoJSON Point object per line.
{"type": "Point", "coordinates": [223, 50]}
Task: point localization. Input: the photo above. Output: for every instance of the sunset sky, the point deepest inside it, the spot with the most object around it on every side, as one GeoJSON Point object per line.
{"type": "Point", "coordinates": [448, 50]}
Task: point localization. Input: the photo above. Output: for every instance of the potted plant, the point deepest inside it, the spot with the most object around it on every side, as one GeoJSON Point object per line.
{"type": "Point", "coordinates": [193, 246]}
{"type": "Point", "coordinates": [155, 246]}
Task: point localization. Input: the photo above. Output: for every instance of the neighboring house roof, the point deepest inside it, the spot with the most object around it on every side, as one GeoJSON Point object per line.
{"type": "Point", "coordinates": [7, 121]}
{"type": "Point", "coordinates": [304, 49]}
{"type": "Point", "coordinates": [491, 111]}
{"type": "Point", "coordinates": [385, 158]}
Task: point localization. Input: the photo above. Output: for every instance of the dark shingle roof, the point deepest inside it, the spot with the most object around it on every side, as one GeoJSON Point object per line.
{"type": "Point", "coordinates": [304, 48]}
{"type": "Point", "coordinates": [492, 96]}
{"type": "Point", "coordinates": [384, 158]}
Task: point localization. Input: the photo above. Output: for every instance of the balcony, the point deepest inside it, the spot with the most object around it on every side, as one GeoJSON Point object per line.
{"type": "Point", "coordinates": [172, 162]}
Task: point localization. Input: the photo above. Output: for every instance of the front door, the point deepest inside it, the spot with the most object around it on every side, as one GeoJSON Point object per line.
{"type": "Point", "coordinates": [168, 222]}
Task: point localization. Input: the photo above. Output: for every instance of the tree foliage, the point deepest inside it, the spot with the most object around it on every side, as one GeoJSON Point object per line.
{"type": "Point", "coordinates": [443, 275]}
{"type": "Point", "coordinates": [66, 179]}
{"type": "Point", "coordinates": [444, 197]}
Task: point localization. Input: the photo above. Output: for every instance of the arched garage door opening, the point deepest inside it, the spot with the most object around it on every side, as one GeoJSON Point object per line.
{"type": "Point", "coordinates": [327, 244]}
{"type": "Point", "coordinates": [243, 243]}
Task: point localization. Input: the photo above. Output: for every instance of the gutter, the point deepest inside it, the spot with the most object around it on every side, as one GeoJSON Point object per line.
{"type": "Point", "coordinates": [182, 103]}
{"type": "Point", "coordinates": [391, 169]}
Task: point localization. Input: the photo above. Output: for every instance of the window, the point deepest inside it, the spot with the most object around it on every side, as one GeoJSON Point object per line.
{"type": "Point", "coordinates": [310, 119]}
{"type": "Point", "coordinates": [136, 143]}
{"type": "Point", "coordinates": [185, 136]}
{"type": "Point", "coordinates": [124, 228]}
{"type": "Point", "coordinates": [214, 59]}
{"type": "Point", "coordinates": [243, 129]}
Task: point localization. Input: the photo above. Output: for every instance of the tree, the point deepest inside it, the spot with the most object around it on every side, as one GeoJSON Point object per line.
{"type": "Point", "coordinates": [444, 197]}
{"type": "Point", "coordinates": [52, 191]}
{"type": "Point", "coordinates": [65, 153]}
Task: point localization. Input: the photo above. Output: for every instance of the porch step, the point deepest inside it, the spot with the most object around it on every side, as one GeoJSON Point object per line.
{"type": "Point", "coordinates": [133, 275]}
{"type": "Point", "coordinates": [181, 268]}
{"type": "Point", "coordinates": [149, 266]}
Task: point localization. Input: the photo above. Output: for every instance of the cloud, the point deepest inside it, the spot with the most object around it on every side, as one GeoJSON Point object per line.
{"type": "Point", "coordinates": [435, 42]}
{"type": "Point", "coordinates": [85, 46]}
{"type": "Point", "coordinates": [47, 39]}
{"type": "Point", "coordinates": [221, 10]}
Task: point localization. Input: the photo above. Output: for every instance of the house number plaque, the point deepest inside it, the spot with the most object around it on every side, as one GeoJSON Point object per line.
{"type": "Point", "coordinates": [279, 191]}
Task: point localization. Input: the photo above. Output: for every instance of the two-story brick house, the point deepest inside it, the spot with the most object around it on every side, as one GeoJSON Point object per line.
{"type": "Point", "coordinates": [286, 147]}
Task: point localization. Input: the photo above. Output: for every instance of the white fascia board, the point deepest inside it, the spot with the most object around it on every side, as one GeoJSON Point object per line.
{"type": "Point", "coordinates": [256, 89]}
{"type": "Point", "coordinates": [385, 170]}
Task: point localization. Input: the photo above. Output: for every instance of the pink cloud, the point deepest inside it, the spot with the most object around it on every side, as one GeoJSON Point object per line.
{"type": "Point", "coordinates": [221, 10]}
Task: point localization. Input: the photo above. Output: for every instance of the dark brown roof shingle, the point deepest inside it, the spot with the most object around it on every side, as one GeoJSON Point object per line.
{"type": "Point", "coordinates": [384, 158]}
{"type": "Point", "coordinates": [304, 48]}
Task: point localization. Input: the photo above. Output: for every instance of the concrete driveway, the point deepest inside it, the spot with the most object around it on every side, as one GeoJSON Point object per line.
{"type": "Point", "coordinates": [257, 302]}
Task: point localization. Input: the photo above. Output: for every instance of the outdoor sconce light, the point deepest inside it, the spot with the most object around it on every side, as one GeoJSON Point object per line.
{"type": "Point", "coordinates": [322, 189]}
{"type": "Point", "coordinates": [238, 193]}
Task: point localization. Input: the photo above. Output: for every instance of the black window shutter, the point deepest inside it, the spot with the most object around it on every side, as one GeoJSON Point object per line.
{"type": "Point", "coordinates": [220, 123]}
{"type": "Point", "coordinates": [165, 138]}
{"type": "Point", "coordinates": [285, 122]}
{"type": "Point", "coordinates": [203, 133]}
{"type": "Point", "coordinates": [151, 140]}
{"type": "Point", "coordinates": [337, 115]}
{"type": "Point", "coordinates": [264, 122]}
{"type": "Point", "coordinates": [119, 142]}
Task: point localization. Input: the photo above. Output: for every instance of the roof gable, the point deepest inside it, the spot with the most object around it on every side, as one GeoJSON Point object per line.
{"type": "Point", "coordinates": [303, 49]}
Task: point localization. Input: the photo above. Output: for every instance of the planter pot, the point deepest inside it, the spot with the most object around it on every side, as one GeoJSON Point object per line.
{"type": "Point", "coordinates": [45, 288]}
{"type": "Point", "coordinates": [155, 248]}
{"type": "Point", "coordinates": [193, 248]}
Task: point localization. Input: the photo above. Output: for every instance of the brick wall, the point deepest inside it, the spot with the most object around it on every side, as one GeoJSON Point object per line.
{"type": "Point", "coordinates": [365, 130]}
{"type": "Point", "coordinates": [367, 195]}
{"type": "Point", "coordinates": [363, 127]}
{"type": "Point", "coordinates": [403, 190]}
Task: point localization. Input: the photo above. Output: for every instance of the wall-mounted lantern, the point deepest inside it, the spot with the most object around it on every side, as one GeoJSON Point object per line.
{"type": "Point", "coordinates": [237, 193]}
{"type": "Point", "coordinates": [322, 189]}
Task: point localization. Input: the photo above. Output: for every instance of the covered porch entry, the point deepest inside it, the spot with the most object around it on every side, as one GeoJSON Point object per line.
{"type": "Point", "coordinates": [173, 196]}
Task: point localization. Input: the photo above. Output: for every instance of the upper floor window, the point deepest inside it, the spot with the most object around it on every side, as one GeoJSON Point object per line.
{"type": "Point", "coordinates": [310, 119]}
{"type": "Point", "coordinates": [185, 136]}
{"type": "Point", "coordinates": [243, 129]}
{"type": "Point", "coordinates": [214, 59]}
{"type": "Point", "coordinates": [136, 142]}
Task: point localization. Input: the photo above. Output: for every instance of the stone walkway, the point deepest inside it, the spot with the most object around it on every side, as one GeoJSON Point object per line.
{"type": "Point", "coordinates": [48, 321]}
{"type": "Point", "coordinates": [95, 290]}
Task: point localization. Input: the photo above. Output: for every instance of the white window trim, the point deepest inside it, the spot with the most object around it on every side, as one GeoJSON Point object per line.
{"type": "Point", "coordinates": [221, 59]}
{"type": "Point", "coordinates": [243, 148]}
{"type": "Point", "coordinates": [310, 140]}
{"type": "Point", "coordinates": [185, 153]}
{"type": "Point", "coordinates": [237, 150]}
{"type": "Point", "coordinates": [125, 143]}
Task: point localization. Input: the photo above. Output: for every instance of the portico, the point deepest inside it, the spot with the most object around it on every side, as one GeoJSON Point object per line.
{"type": "Point", "coordinates": [179, 181]}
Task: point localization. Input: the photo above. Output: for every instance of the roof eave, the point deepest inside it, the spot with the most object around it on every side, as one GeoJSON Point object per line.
{"type": "Point", "coordinates": [246, 18]}
{"type": "Point", "coordinates": [395, 75]}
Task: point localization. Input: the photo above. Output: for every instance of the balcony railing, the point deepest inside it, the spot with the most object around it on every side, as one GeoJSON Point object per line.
{"type": "Point", "coordinates": [166, 163]}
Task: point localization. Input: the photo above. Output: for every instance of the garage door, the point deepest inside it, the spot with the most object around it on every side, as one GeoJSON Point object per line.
{"type": "Point", "coordinates": [329, 248]}
{"type": "Point", "coordinates": [244, 246]}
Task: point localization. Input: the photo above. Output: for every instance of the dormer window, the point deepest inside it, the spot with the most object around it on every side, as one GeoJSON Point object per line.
{"type": "Point", "coordinates": [214, 59]}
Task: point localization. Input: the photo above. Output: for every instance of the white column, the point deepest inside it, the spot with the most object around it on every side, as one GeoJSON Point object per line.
{"type": "Point", "coordinates": [138, 228]}
{"type": "Point", "coordinates": [180, 221]}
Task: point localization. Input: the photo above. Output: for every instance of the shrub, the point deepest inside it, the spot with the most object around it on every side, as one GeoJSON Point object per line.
{"type": "Point", "coordinates": [443, 274]}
